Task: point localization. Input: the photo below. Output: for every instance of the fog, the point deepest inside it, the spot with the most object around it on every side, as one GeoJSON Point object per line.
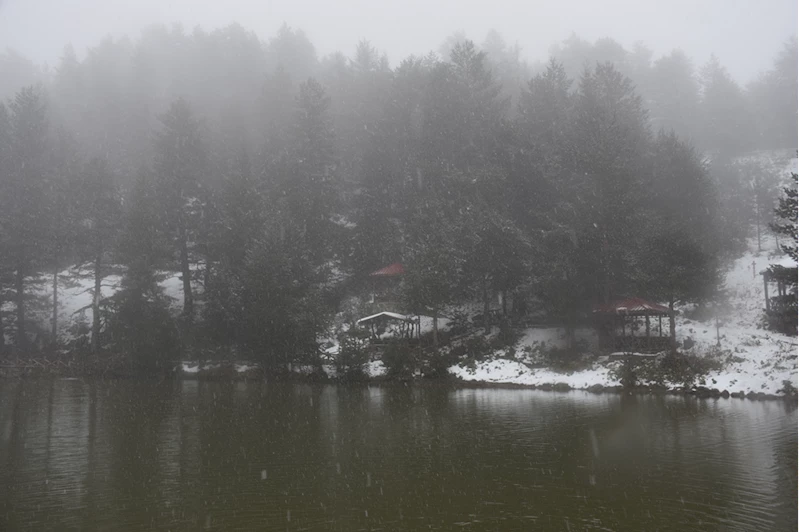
{"type": "Point", "coordinates": [597, 196]}
{"type": "Point", "coordinates": [743, 34]}
{"type": "Point", "coordinates": [533, 161]}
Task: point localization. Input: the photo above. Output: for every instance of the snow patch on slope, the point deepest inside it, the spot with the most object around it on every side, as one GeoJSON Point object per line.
{"type": "Point", "coordinates": [761, 360]}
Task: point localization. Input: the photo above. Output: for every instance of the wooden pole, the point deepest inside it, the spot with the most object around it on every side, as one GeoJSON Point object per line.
{"type": "Point", "coordinates": [765, 291]}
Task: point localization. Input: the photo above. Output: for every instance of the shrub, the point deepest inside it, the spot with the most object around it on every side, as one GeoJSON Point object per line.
{"type": "Point", "coordinates": [400, 361]}
{"type": "Point", "coordinates": [626, 373]}
{"type": "Point", "coordinates": [680, 369]}
{"type": "Point", "coordinates": [788, 389]}
{"type": "Point", "coordinates": [477, 348]}
{"type": "Point", "coordinates": [459, 323]}
{"type": "Point", "coordinates": [566, 360]}
{"type": "Point", "coordinates": [352, 355]}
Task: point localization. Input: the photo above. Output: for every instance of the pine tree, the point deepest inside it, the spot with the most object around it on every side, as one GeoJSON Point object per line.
{"type": "Point", "coordinates": [140, 326]}
{"type": "Point", "coordinates": [277, 104]}
{"type": "Point", "coordinates": [774, 98]}
{"type": "Point", "coordinates": [391, 173]}
{"type": "Point", "coordinates": [539, 165]}
{"type": "Point", "coordinates": [239, 224]}
{"type": "Point", "coordinates": [464, 115]}
{"type": "Point", "coordinates": [100, 211]}
{"type": "Point", "coordinates": [309, 188]}
{"type": "Point", "coordinates": [61, 216]}
{"type": "Point", "coordinates": [433, 258]}
{"type": "Point", "coordinates": [680, 190]}
{"type": "Point", "coordinates": [782, 311]}
{"type": "Point", "coordinates": [675, 95]}
{"type": "Point", "coordinates": [291, 50]}
{"type": "Point", "coordinates": [181, 168]}
{"type": "Point", "coordinates": [726, 120]}
{"type": "Point", "coordinates": [6, 262]}
{"type": "Point", "coordinates": [283, 311]}
{"type": "Point", "coordinates": [25, 198]}
{"type": "Point", "coordinates": [788, 211]}
{"type": "Point", "coordinates": [608, 139]}
{"type": "Point", "coordinates": [679, 255]}
{"type": "Point", "coordinates": [677, 269]}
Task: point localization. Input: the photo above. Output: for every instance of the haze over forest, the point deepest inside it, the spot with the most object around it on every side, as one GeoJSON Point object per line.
{"type": "Point", "coordinates": [741, 33]}
{"type": "Point", "coordinates": [268, 167]}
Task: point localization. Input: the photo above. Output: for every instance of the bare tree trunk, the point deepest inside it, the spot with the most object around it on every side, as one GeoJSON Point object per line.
{"type": "Point", "coordinates": [757, 223]}
{"type": "Point", "coordinates": [98, 278]}
{"type": "Point", "coordinates": [2, 327]}
{"type": "Point", "coordinates": [54, 319]}
{"type": "Point", "coordinates": [19, 285]}
{"type": "Point", "coordinates": [486, 307]}
{"type": "Point", "coordinates": [571, 330]}
{"type": "Point", "coordinates": [188, 300]}
{"type": "Point", "coordinates": [435, 329]}
{"type": "Point", "coordinates": [672, 326]}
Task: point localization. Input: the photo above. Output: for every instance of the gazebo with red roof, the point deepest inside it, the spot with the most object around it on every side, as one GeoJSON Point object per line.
{"type": "Point", "coordinates": [626, 312]}
{"type": "Point", "coordinates": [384, 287]}
{"type": "Point", "coordinates": [391, 270]}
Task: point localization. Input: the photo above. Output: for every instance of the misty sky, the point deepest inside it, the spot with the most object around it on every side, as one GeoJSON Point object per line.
{"type": "Point", "coordinates": [745, 34]}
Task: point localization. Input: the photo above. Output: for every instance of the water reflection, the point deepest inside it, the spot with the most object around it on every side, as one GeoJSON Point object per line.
{"type": "Point", "coordinates": [192, 455]}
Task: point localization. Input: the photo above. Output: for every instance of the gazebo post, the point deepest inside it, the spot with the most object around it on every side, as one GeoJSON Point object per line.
{"type": "Point", "coordinates": [660, 326]}
{"type": "Point", "coordinates": [648, 341]}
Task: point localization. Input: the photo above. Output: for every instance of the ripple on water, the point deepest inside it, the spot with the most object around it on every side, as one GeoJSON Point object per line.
{"type": "Point", "coordinates": [134, 455]}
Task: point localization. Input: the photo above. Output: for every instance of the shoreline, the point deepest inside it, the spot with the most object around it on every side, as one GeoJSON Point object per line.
{"type": "Point", "coordinates": [256, 374]}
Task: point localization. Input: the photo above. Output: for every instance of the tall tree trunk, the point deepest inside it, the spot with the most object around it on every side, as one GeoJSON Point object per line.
{"type": "Point", "coordinates": [435, 329]}
{"type": "Point", "coordinates": [98, 279]}
{"type": "Point", "coordinates": [486, 307]}
{"type": "Point", "coordinates": [188, 300]}
{"type": "Point", "coordinates": [19, 285]}
{"type": "Point", "coordinates": [672, 326]}
{"type": "Point", "coordinates": [54, 319]}
{"type": "Point", "coordinates": [2, 327]}
{"type": "Point", "coordinates": [757, 222]}
{"type": "Point", "coordinates": [571, 329]}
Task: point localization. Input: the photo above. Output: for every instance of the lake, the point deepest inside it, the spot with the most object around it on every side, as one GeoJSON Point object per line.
{"type": "Point", "coordinates": [136, 455]}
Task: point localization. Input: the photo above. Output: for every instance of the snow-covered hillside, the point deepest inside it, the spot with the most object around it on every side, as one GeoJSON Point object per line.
{"type": "Point", "coordinates": [761, 359]}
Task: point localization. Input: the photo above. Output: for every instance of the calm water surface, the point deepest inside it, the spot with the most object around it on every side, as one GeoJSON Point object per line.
{"type": "Point", "coordinates": [135, 455]}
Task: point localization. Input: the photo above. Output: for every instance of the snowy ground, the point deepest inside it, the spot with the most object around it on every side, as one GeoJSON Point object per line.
{"type": "Point", "coordinates": [75, 297]}
{"type": "Point", "coordinates": [762, 359]}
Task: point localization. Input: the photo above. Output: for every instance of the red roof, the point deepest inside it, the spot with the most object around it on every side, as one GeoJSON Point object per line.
{"type": "Point", "coordinates": [388, 271]}
{"type": "Point", "coordinates": [631, 305]}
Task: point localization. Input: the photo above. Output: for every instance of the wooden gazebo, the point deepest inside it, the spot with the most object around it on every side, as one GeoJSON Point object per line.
{"type": "Point", "coordinates": [384, 288]}
{"type": "Point", "coordinates": [618, 323]}
{"type": "Point", "coordinates": [398, 326]}
{"type": "Point", "coordinates": [784, 277]}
